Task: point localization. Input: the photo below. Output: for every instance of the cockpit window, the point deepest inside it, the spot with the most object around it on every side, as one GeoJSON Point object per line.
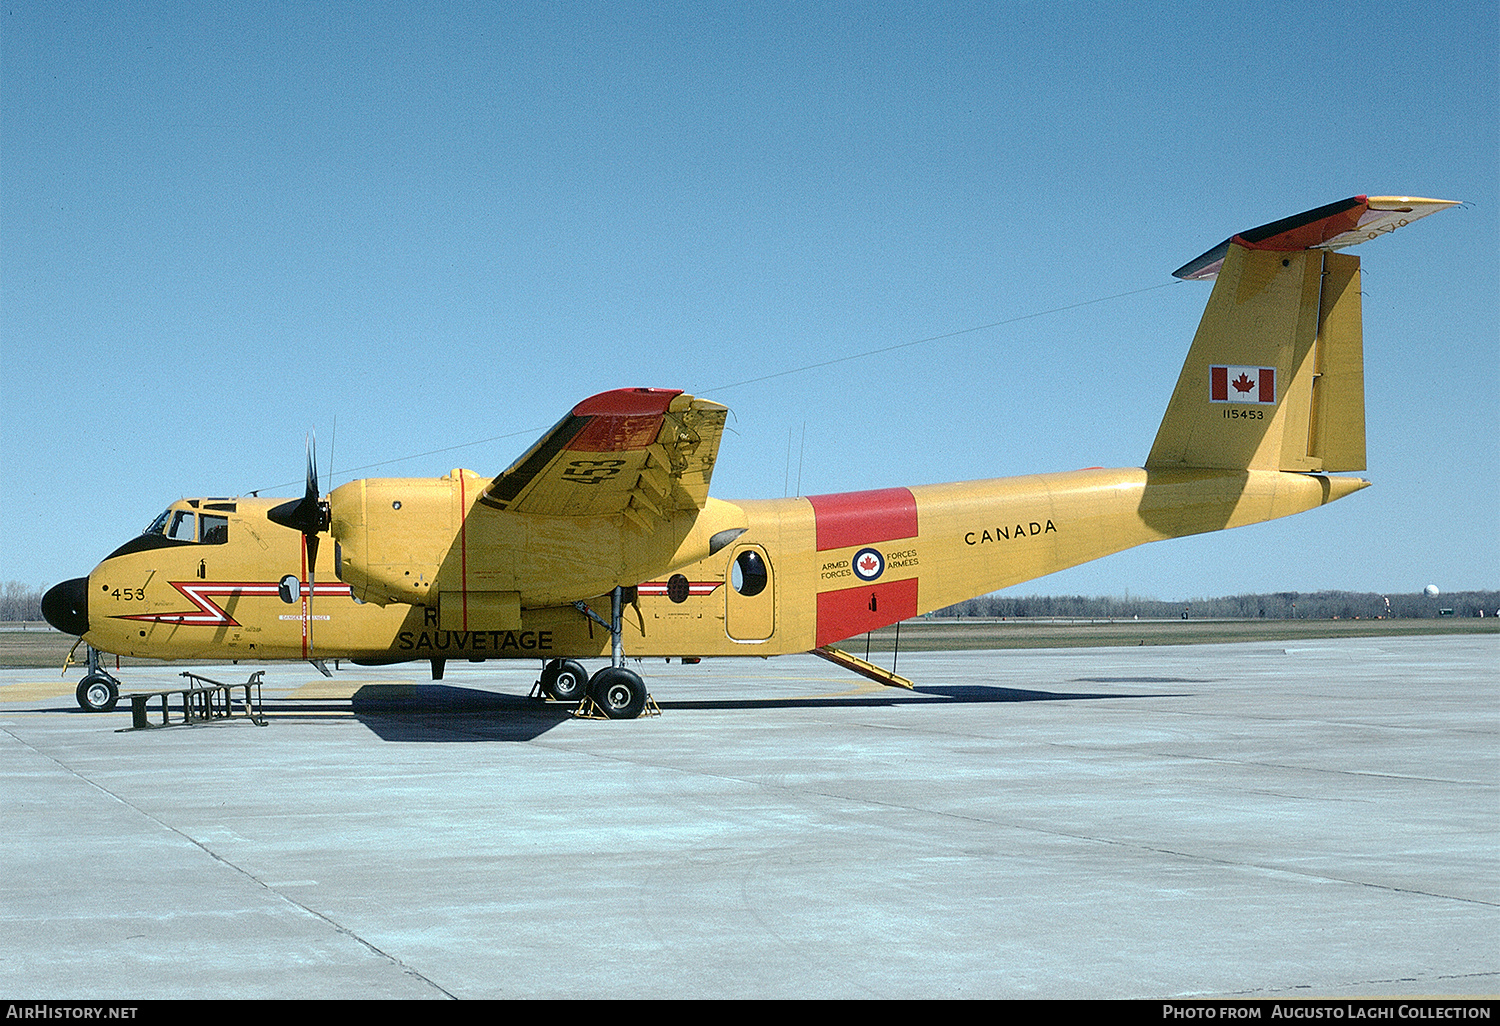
{"type": "Point", "coordinates": [182, 527]}
{"type": "Point", "coordinates": [215, 530]}
{"type": "Point", "coordinates": [159, 525]}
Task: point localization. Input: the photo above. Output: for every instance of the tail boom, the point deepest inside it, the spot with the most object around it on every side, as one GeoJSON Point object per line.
{"type": "Point", "coordinates": [981, 536]}
{"type": "Point", "coordinates": [965, 539]}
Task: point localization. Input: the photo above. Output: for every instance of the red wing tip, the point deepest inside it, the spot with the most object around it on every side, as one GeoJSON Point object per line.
{"type": "Point", "coordinates": [627, 402]}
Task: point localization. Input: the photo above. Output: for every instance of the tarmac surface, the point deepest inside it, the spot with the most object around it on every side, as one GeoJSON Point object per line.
{"type": "Point", "coordinates": [1245, 820]}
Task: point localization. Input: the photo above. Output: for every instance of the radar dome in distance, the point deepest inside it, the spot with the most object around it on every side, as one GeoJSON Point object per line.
{"type": "Point", "coordinates": [1431, 591]}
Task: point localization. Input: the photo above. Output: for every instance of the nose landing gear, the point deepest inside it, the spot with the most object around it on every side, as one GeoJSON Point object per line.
{"type": "Point", "coordinates": [98, 691]}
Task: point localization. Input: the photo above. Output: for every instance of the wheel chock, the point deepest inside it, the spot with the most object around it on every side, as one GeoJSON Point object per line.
{"type": "Point", "coordinates": [588, 709]}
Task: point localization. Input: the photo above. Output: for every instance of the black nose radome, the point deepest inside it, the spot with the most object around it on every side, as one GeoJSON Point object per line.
{"type": "Point", "coordinates": [66, 606]}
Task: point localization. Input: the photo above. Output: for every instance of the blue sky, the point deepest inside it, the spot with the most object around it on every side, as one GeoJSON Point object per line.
{"type": "Point", "coordinates": [443, 225]}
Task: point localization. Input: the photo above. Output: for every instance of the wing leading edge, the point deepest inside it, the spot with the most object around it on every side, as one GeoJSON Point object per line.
{"type": "Point", "coordinates": [647, 453]}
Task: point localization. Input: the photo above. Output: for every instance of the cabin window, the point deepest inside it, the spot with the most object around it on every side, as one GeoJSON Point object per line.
{"type": "Point", "coordinates": [182, 525]}
{"type": "Point", "coordinates": [748, 573]}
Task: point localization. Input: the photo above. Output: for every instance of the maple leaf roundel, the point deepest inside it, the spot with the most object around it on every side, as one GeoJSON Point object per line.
{"type": "Point", "coordinates": [868, 564]}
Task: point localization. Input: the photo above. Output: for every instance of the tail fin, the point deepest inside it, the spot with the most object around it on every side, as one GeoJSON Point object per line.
{"type": "Point", "coordinates": [1275, 376]}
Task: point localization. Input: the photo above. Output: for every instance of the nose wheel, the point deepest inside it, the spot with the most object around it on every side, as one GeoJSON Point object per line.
{"type": "Point", "coordinates": [98, 692]}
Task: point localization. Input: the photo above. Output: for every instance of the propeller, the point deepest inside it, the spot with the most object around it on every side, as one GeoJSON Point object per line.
{"type": "Point", "coordinates": [309, 515]}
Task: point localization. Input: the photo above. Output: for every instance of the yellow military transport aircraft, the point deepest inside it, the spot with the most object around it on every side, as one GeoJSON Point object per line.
{"type": "Point", "coordinates": [602, 539]}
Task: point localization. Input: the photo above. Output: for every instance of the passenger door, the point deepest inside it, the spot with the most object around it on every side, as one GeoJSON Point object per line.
{"type": "Point", "coordinates": [750, 599]}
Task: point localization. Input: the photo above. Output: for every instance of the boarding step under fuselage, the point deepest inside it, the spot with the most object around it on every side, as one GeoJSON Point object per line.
{"type": "Point", "coordinates": [863, 667]}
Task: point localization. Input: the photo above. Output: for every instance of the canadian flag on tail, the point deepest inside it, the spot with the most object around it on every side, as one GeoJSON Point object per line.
{"type": "Point", "coordinates": [1242, 385]}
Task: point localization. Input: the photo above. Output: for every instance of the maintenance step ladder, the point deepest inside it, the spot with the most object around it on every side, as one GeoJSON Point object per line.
{"type": "Point", "coordinates": [863, 667]}
{"type": "Point", "coordinates": [202, 701]}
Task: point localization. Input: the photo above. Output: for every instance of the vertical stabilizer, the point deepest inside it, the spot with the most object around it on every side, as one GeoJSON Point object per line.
{"type": "Point", "coordinates": [1274, 379]}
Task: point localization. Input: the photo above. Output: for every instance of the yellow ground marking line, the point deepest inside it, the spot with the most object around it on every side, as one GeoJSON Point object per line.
{"type": "Point", "coordinates": [328, 688]}
{"type": "Point", "coordinates": [864, 687]}
{"type": "Point", "coordinates": [31, 691]}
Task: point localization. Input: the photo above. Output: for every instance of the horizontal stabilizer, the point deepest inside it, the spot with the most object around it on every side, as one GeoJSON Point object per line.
{"type": "Point", "coordinates": [1345, 223]}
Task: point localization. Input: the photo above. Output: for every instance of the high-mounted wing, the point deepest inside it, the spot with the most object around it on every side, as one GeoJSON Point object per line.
{"type": "Point", "coordinates": [645, 452]}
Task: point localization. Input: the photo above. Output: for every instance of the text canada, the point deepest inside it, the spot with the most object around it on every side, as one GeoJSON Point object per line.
{"type": "Point", "coordinates": [992, 534]}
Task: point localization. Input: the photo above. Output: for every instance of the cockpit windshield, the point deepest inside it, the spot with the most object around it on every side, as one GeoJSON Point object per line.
{"type": "Point", "coordinates": [159, 525]}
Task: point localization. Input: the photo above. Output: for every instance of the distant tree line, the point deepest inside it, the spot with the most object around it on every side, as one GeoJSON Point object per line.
{"type": "Point", "coordinates": [1280, 605]}
{"type": "Point", "coordinates": [19, 602]}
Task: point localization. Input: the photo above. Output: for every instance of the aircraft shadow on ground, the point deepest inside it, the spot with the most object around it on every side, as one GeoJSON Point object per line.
{"type": "Point", "coordinates": [441, 712]}
{"type": "Point", "coordinates": [438, 712]}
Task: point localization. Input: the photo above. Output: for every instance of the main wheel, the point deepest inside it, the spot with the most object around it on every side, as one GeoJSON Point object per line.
{"type": "Point", "coordinates": [565, 680]}
{"type": "Point", "coordinates": [619, 692]}
{"type": "Point", "coordinates": [97, 693]}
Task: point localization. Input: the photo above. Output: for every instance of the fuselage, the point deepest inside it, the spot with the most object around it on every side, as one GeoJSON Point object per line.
{"type": "Point", "coordinates": [215, 579]}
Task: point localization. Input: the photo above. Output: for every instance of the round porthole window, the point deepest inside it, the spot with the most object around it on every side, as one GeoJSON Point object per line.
{"type": "Point", "coordinates": [748, 574]}
{"type": "Point", "coordinates": [677, 588]}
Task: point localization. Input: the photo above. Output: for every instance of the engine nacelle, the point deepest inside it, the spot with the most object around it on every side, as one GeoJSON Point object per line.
{"type": "Point", "coordinates": [415, 540]}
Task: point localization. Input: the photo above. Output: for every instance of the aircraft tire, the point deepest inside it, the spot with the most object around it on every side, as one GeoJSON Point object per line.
{"type": "Point", "coordinates": [619, 692]}
{"type": "Point", "coordinates": [565, 680]}
{"type": "Point", "coordinates": [97, 693]}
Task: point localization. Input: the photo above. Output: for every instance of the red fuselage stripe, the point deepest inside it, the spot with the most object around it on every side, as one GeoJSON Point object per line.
{"type": "Point", "coordinates": [209, 613]}
{"type": "Point", "coordinates": [843, 614]}
{"type": "Point", "coordinates": [864, 518]}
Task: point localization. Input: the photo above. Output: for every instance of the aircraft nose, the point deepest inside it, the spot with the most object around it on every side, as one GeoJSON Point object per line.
{"type": "Point", "coordinates": [66, 606]}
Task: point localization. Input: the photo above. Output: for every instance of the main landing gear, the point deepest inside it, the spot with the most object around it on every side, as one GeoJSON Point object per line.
{"type": "Point", "coordinates": [565, 680]}
{"type": "Point", "coordinates": [616, 692]}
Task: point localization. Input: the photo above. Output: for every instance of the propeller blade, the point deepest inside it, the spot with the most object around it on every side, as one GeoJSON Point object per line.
{"type": "Point", "coordinates": [309, 515]}
{"type": "Point", "coordinates": [306, 514]}
{"type": "Point", "coordinates": [310, 542]}
{"type": "Point", "coordinates": [312, 467]}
